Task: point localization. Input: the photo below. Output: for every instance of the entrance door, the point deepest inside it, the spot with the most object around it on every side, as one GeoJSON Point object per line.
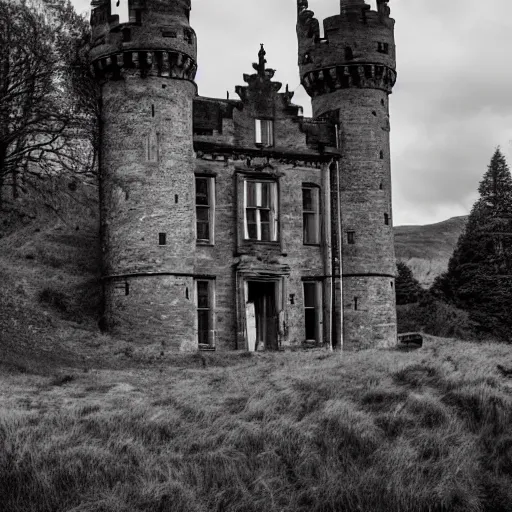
{"type": "Point", "coordinates": [264, 329]}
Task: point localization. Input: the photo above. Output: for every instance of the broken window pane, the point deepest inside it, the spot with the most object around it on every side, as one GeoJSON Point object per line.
{"type": "Point", "coordinates": [251, 193]}
{"type": "Point", "coordinates": [261, 210]}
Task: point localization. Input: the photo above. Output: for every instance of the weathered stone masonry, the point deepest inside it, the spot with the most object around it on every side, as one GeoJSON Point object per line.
{"type": "Point", "coordinates": [228, 224]}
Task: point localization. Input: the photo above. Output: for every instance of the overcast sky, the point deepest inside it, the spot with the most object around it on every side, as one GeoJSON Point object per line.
{"type": "Point", "coordinates": [450, 108]}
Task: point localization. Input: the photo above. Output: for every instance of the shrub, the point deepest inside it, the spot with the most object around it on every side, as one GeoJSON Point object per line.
{"type": "Point", "coordinates": [435, 317]}
{"type": "Point", "coordinates": [55, 298]}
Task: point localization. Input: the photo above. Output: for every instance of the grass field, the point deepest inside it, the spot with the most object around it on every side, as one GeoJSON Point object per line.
{"type": "Point", "coordinates": [372, 431]}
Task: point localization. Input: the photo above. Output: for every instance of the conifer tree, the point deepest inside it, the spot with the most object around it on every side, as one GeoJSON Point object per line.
{"type": "Point", "coordinates": [479, 275]}
{"type": "Point", "coordinates": [408, 288]}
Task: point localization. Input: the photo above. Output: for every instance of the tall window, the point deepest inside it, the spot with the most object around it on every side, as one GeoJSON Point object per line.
{"type": "Point", "coordinates": [312, 310]}
{"type": "Point", "coordinates": [264, 132]}
{"type": "Point", "coordinates": [311, 215]}
{"type": "Point", "coordinates": [261, 210]}
{"type": "Point", "coordinates": [204, 301]}
{"type": "Point", "coordinates": [204, 209]}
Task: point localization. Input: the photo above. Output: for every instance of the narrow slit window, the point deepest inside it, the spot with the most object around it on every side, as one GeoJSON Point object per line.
{"type": "Point", "coordinates": [188, 35]}
{"type": "Point", "coordinates": [311, 215]}
{"type": "Point", "coordinates": [261, 211]}
{"type": "Point", "coordinates": [204, 302]}
{"type": "Point", "coordinates": [356, 303]}
{"type": "Point", "coordinates": [204, 209]}
{"type": "Point", "coordinates": [152, 143]}
{"type": "Point", "coordinates": [383, 48]}
{"type": "Point", "coordinates": [349, 54]}
{"type": "Point", "coordinates": [162, 238]}
{"type": "Point", "coordinates": [386, 219]}
{"type": "Point", "coordinates": [312, 311]}
{"type": "Point", "coordinates": [264, 132]}
{"type": "Point", "coordinates": [351, 237]}
{"type": "Point", "coordinates": [381, 154]}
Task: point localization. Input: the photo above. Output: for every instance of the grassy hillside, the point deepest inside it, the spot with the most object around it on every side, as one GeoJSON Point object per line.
{"type": "Point", "coordinates": [312, 432]}
{"type": "Point", "coordinates": [49, 269]}
{"type": "Point", "coordinates": [427, 249]}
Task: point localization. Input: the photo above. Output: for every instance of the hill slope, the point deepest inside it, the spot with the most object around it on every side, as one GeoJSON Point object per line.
{"type": "Point", "coordinates": [427, 249]}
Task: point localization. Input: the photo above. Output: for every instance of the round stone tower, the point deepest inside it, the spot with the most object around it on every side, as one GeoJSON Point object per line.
{"type": "Point", "coordinates": [349, 74]}
{"type": "Point", "coordinates": [144, 57]}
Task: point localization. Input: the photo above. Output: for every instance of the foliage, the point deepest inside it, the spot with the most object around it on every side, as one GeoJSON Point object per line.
{"type": "Point", "coordinates": [47, 124]}
{"type": "Point", "coordinates": [408, 289]}
{"type": "Point", "coordinates": [436, 317]}
{"type": "Point", "coordinates": [479, 275]}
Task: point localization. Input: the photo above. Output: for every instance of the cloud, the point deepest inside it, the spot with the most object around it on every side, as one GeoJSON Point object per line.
{"type": "Point", "coordinates": [452, 104]}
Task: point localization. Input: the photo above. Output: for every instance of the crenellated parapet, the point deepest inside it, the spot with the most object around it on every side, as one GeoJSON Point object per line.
{"type": "Point", "coordinates": [357, 50]}
{"type": "Point", "coordinates": [144, 64]}
{"type": "Point", "coordinates": [144, 37]}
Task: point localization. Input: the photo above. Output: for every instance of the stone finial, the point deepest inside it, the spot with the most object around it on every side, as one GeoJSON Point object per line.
{"type": "Point", "coordinates": [260, 66]}
{"type": "Point", "coordinates": [302, 5]}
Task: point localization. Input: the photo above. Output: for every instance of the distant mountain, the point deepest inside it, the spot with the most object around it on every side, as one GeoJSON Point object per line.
{"type": "Point", "coordinates": [427, 249]}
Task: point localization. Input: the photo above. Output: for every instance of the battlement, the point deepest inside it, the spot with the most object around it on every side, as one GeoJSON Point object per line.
{"type": "Point", "coordinates": [358, 46]}
{"type": "Point", "coordinates": [125, 32]}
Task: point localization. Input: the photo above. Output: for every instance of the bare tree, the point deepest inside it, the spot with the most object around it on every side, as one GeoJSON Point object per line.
{"type": "Point", "coordinates": [46, 128]}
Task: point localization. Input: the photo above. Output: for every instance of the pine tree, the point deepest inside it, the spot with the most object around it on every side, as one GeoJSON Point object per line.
{"type": "Point", "coordinates": [408, 288]}
{"type": "Point", "coordinates": [479, 275]}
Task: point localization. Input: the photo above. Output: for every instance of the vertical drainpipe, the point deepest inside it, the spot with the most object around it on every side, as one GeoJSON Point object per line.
{"type": "Point", "coordinates": [336, 259]}
{"type": "Point", "coordinates": [340, 259]}
{"type": "Point", "coordinates": [327, 253]}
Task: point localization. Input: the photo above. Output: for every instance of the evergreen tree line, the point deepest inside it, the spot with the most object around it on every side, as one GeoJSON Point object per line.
{"type": "Point", "coordinates": [476, 289]}
{"type": "Point", "coordinates": [48, 100]}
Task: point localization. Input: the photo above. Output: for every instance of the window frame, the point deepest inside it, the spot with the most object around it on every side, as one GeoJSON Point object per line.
{"type": "Point", "coordinates": [317, 308]}
{"type": "Point", "coordinates": [317, 214]}
{"type": "Point", "coordinates": [210, 310]}
{"type": "Point", "coordinates": [210, 207]}
{"type": "Point", "coordinates": [259, 132]}
{"type": "Point", "coordinates": [272, 209]}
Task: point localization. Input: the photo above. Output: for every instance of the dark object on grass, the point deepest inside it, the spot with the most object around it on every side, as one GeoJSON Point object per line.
{"type": "Point", "coordinates": [410, 341]}
{"type": "Point", "coordinates": [505, 372]}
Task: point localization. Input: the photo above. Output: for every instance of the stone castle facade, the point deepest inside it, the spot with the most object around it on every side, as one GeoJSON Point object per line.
{"type": "Point", "coordinates": [238, 223]}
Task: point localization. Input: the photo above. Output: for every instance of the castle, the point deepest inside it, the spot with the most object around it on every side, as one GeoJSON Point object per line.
{"type": "Point", "coordinates": [239, 224]}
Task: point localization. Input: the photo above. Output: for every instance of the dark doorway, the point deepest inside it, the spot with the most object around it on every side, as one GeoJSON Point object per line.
{"type": "Point", "coordinates": [263, 296]}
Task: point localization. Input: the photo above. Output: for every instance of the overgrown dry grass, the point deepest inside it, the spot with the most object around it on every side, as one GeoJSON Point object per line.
{"type": "Point", "coordinates": [372, 431]}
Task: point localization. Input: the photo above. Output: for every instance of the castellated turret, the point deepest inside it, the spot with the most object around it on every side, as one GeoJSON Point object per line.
{"type": "Point", "coordinates": [144, 57]}
{"type": "Point", "coordinates": [349, 74]}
